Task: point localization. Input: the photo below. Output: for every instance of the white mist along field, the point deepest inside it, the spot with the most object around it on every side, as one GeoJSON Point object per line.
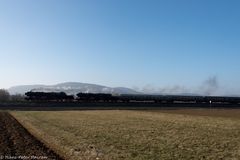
{"type": "Point", "coordinates": [135, 135]}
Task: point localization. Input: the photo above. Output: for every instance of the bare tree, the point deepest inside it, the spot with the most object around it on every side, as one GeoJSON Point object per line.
{"type": "Point", "coordinates": [4, 95]}
{"type": "Point", "coordinates": [17, 97]}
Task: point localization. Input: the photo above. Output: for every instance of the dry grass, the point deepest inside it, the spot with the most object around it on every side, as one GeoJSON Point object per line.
{"type": "Point", "coordinates": [227, 113]}
{"type": "Point", "coordinates": [135, 134]}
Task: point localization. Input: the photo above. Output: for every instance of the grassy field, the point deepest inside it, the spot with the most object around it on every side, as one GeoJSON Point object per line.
{"type": "Point", "coordinates": [136, 134]}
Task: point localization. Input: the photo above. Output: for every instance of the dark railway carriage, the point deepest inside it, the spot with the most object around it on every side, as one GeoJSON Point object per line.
{"type": "Point", "coordinates": [96, 97]}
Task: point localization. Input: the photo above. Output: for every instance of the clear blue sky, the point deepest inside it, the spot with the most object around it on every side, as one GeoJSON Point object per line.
{"type": "Point", "coordinates": [131, 43]}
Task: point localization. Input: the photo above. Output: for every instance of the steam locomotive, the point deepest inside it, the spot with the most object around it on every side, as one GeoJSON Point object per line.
{"type": "Point", "coordinates": [48, 96]}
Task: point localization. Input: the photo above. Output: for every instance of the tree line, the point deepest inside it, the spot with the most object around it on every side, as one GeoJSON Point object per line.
{"type": "Point", "coordinates": [6, 97]}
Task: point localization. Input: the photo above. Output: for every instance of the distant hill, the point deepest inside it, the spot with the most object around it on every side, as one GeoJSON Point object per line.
{"type": "Point", "coordinates": [71, 88]}
{"type": "Point", "coordinates": [23, 88]}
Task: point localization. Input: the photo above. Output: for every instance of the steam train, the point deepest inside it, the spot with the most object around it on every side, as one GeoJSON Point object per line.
{"type": "Point", "coordinates": [48, 96]}
{"type": "Point", "coordinates": [128, 98]}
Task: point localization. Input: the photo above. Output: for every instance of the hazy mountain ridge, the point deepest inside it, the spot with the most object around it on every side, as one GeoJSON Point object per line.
{"type": "Point", "coordinates": [71, 88]}
{"type": "Point", "coordinates": [77, 87]}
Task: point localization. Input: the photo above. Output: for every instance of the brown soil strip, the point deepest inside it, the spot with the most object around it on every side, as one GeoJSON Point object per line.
{"type": "Point", "coordinates": [17, 143]}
